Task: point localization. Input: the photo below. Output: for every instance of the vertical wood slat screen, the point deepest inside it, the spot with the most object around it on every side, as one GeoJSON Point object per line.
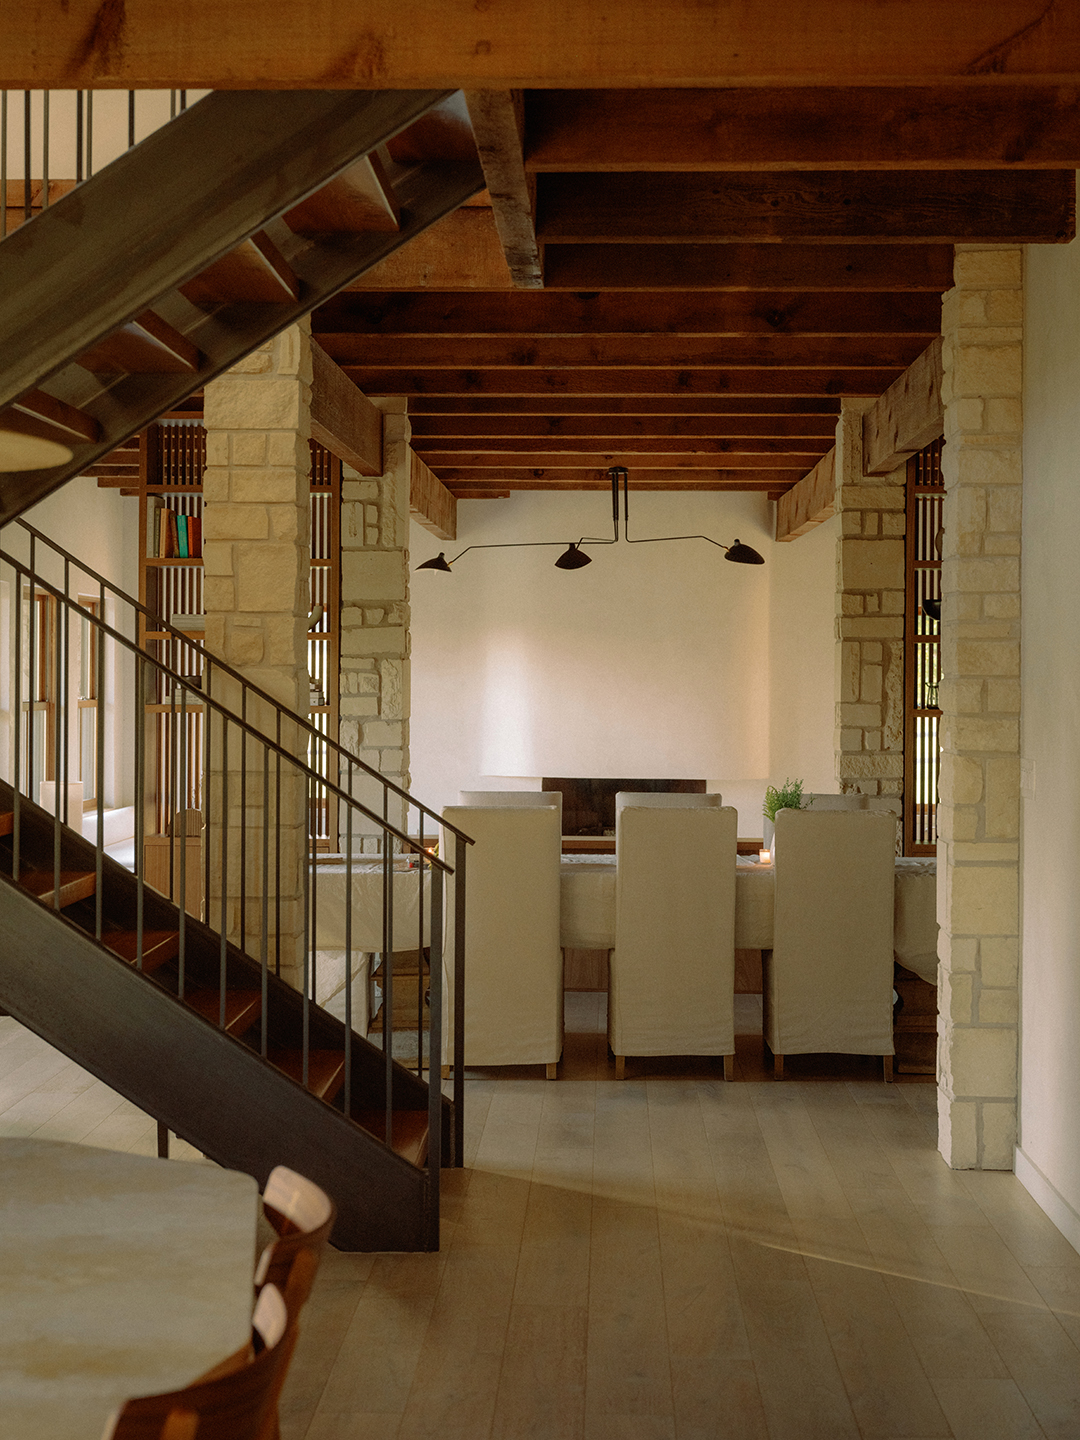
{"type": "Point", "coordinates": [922, 668]}
{"type": "Point", "coordinates": [323, 639]}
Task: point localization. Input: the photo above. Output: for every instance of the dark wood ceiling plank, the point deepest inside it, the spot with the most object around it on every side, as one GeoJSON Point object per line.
{"type": "Point", "coordinates": [560, 478]}
{"type": "Point", "coordinates": [522, 381]}
{"type": "Point", "coordinates": [748, 267]}
{"type": "Point", "coordinates": [996, 206]}
{"type": "Point", "coordinates": [945, 127]}
{"type": "Point", "coordinates": [675, 405]}
{"type": "Point", "coordinates": [461, 251]}
{"type": "Point", "coordinates": [495, 451]}
{"type": "Point", "coordinates": [548, 313]}
{"type": "Point", "coordinates": [485, 430]}
{"type": "Point", "coordinates": [498, 123]}
{"type": "Point", "coordinates": [442, 461]}
{"type": "Point", "coordinates": [533, 43]}
{"type": "Point", "coordinates": [608, 352]}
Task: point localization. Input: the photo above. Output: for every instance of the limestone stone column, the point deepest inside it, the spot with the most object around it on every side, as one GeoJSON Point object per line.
{"type": "Point", "coordinates": [979, 811]}
{"type": "Point", "coordinates": [869, 618]}
{"type": "Point", "coordinates": [256, 544]}
{"type": "Point", "coordinates": [374, 693]}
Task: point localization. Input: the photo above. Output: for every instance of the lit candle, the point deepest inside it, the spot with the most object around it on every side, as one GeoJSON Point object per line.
{"type": "Point", "coordinates": [764, 857]}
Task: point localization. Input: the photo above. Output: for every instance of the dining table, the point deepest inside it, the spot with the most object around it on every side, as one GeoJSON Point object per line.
{"type": "Point", "coordinates": [120, 1275]}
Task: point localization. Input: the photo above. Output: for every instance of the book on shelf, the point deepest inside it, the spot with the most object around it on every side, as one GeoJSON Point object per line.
{"type": "Point", "coordinates": [154, 507]}
{"type": "Point", "coordinates": [194, 529]}
{"type": "Point", "coordinates": [182, 536]}
{"type": "Point", "coordinates": [168, 542]}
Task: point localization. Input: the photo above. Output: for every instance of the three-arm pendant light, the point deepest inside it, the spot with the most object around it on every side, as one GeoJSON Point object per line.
{"type": "Point", "coordinates": [574, 557]}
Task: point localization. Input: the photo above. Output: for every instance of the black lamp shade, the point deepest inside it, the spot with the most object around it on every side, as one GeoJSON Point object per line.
{"type": "Point", "coordinates": [932, 608]}
{"type": "Point", "coordinates": [439, 563]}
{"type": "Point", "coordinates": [573, 559]}
{"type": "Point", "coordinates": [744, 554]}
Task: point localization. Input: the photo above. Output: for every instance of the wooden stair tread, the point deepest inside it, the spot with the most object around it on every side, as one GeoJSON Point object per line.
{"type": "Point", "coordinates": [410, 1131]}
{"type": "Point", "coordinates": [74, 885]}
{"type": "Point", "coordinates": [326, 1069]}
{"type": "Point", "coordinates": [7, 822]}
{"type": "Point", "coordinates": [242, 1007]}
{"type": "Point", "coordinates": [359, 199]}
{"type": "Point", "coordinates": [255, 273]}
{"type": "Point", "coordinates": [146, 345]}
{"type": "Point", "coordinates": [159, 946]}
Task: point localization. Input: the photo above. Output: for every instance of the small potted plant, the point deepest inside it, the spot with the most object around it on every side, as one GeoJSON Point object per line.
{"type": "Point", "coordinates": [787, 797]}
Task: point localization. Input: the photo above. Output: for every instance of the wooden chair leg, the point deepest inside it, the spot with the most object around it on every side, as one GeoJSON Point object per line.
{"type": "Point", "coordinates": [729, 1067]}
{"type": "Point", "coordinates": [886, 1065]}
{"type": "Point", "coordinates": [777, 1067]}
{"type": "Point", "coordinates": [553, 1070]}
{"type": "Point", "coordinates": [620, 1067]}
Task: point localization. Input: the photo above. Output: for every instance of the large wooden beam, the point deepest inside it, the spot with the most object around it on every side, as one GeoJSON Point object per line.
{"type": "Point", "coordinates": [1003, 206]}
{"type": "Point", "coordinates": [498, 123]}
{"type": "Point", "coordinates": [614, 352]}
{"type": "Point", "coordinates": [552, 477]}
{"type": "Point", "coordinates": [432, 430]}
{"type": "Point", "coordinates": [748, 267]}
{"type": "Point", "coordinates": [461, 251]}
{"type": "Point", "coordinates": [766, 380]}
{"type": "Point", "coordinates": [809, 503]}
{"type": "Point", "coordinates": [498, 448]}
{"type": "Point", "coordinates": [534, 43]}
{"type": "Point", "coordinates": [908, 416]}
{"type": "Point", "coordinates": [343, 418]}
{"type": "Point", "coordinates": [550, 313]}
{"type": "Point", "coordinates": [631, 454]}
{"type": "Point", "coordinates": [938, 127]}
{"type": "Point", "coordinates": [430, 503]}
{"type": "Point", "coordinates": [673, 404]}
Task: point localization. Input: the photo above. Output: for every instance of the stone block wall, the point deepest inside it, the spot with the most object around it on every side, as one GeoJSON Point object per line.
{"type": "Point", "coordinates": [374, 693]}
{"type": "Point", "coordinates": [869, 619]}
{"type": "Point", "coordinates": [979, 811]}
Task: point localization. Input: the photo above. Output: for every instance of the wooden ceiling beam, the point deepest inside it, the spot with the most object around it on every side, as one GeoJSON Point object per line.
{"type": "Point", "coordinates": [444, 462]}
{"type": "Point", "coordinates": [494, 452]}
{"type": "Point", "coordinates": [523, 381]}
{"type": "Point", "coordinates": [611, 352]}
{"type": "Point", "coordinates": [908, 416]}
{"type": "Point", "coordinates": [623, 406]}
{"type": "Point", "coordinates": [934, 127]}
{"type": "Point", "coordinates": [408, 43]}
{"type": "Point", "coordinates": [498, 124]}
{"type": "Point", "coordinates": [747, 267]}
{"type": "Point", "coordinates": [430, 503]}
{"type": "Point", "coordinates": [993, 206]}
{"type": "Point", "coordinates": [550, 313]}
{"type": "Point", "coordinates": [429, 431]}
{"type": "Point", "coordinates": [561, 478]}
{"type": "Point", "coordinates": [342, 418]}
{"type": "Point", "coordinates": [462, 251]}
{"type": "Point", "coordinates": [809, 503]}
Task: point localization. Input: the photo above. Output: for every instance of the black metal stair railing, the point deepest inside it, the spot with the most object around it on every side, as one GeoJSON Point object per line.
{"type": "Point", "coordinates": [94, 717]}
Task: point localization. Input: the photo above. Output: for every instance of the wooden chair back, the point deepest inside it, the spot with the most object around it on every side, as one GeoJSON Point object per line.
{"type": "Point", "coordinates": [303, 1216]}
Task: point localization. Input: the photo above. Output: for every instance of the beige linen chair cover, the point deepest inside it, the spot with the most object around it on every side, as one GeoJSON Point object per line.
{"type": "Point", "coordinates": [828, 980]}
{"type": "Point", "coordinates": [672, 986]}
{"type": "Point", "coordinates": [666, 800]}
{"type": "Point", "coordinates": [821, 802]}
{"type": "Point", "coordinates": [511, 798]}
{"type": "Point", "coordinates": [513, 960]}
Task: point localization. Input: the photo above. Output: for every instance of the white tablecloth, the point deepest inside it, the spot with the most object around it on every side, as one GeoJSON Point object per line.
{"type": "Point", "coordinates": [367, 907]}
{"type": "Point", "coordinates": [588, 908]}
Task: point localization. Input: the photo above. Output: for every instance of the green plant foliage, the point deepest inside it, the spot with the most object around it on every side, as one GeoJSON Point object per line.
{"type": "Point", "coordinates": [788, 797]}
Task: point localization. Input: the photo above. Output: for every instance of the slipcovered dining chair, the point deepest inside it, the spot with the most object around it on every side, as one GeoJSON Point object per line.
{"type": "Point", "coordinates": [819, 801]}
{"type": "Point", "coordinates": [672, 971]}
{"type": "Point", "coordinates": [667, 800]}
{"type": "Point", "coordinates": [828, 978]}
{"type": "Point", "coordinates": [513, 994]}
{"type": "Point", "coordinates": [510, 799]}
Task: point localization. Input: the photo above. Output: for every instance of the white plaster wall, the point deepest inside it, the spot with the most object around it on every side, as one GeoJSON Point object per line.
{"type": "Point", "coordinates": [100, 527]}
{"type": "Point", "coordinates": [1048, 1160]}
{"type": "Point", "coordinates": [802, 658]}
{"type": "Point", "coordinates": [654, 661]}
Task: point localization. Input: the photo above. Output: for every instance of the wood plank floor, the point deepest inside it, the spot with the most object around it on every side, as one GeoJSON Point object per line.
{"type": "Point", "coordinates": [672, 1258]}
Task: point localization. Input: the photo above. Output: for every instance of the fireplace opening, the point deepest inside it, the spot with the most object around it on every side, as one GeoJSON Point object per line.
{"type": "Point", "coordinates": [589, 805]}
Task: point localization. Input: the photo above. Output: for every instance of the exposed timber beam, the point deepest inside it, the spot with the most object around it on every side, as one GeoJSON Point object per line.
{"type": "Point", "coordinates": [410, 43]}
{"type": "Point", "coordinates": [498, 123]}
{"type": "Point", "coordinates": [429, 431]}
{"type": "Point", "coordinates": [343, 418]}
{"type": "Point", "coordinates": [430, 503]}
{"type": "Point", "coordinates": [630, 454]}
{"type": "Point", "coordinates": [677, 406]}
{"type": "Point", "coordinates": [523, 381]}
{"type": "Point", "coordinates": [602, 445]}
{"type": "Point", "coordinates": [907, 416]}
{"type": "Point", "coordinates": [551, 313]}
{"type": "Point", "coordinates": [748, 267]}
{"type": "Point", "coordinates": [615, 352]}
{"type": "Point", "coordinates": [938, 127]}
{"type": "Point", "coordinates": [942, 207]}
{"type": "Point", "coordinates": [809, 503]}
{"type": "Point", "coordinates": [558, 478]}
